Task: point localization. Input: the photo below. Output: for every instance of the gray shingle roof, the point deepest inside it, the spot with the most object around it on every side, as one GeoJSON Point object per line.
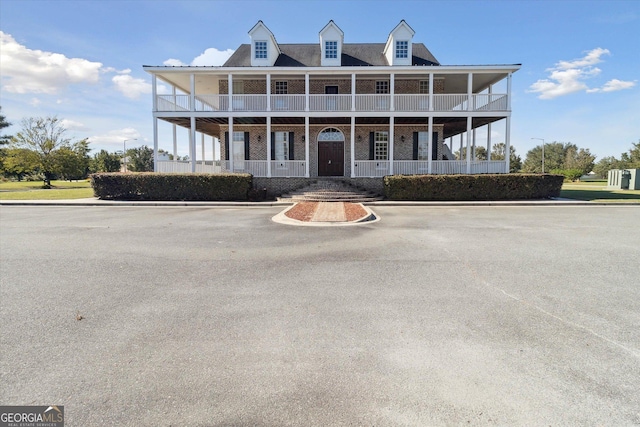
{"type": "Point", "coordinates": [353, 54]}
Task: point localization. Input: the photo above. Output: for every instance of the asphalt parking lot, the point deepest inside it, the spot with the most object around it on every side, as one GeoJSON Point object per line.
{"type": "Point", "coordinates": [195, 316]}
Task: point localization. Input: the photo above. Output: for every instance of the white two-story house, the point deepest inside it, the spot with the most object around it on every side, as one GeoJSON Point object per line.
{"type": "Point", "coordinates": [357, 111]}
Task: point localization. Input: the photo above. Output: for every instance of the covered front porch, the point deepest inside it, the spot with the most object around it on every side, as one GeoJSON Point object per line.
{"type": "Point", "coordinates": [356, 156]}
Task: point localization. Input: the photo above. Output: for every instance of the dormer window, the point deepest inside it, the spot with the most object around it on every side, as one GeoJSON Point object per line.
{"type": "Point", "coordinates": [402, 49]}
{"type": "Point", "coordinates": [261, 49]}
{"type": "Point", "coordinates": [331, 49]}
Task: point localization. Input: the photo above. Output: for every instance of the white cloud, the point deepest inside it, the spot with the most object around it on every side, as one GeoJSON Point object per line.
{"type": "Point", "coordinates": [35, 71]}
{"type": "Point", "coordinates": [72, 125]}
{"type": "Point", "coordinates": [614, 85]}
{"type": "Point", "coordinates": [210, 57]}
{"type": "Point", "coordinates": [130, 86]}
{"type": "Point", "coordinates": [116, 138]}
{"type": "Point", "coordinates": [591, 58]}
{"type": "Point", "coordinates": [174, 63]}
{"type": "Point", "coordinates": [35, 102]}
{"type": "Point", "coordinates": [569, 77]}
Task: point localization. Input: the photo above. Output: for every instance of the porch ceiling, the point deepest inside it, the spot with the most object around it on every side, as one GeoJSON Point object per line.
{"type": "Point", "coordinates": [211, 125]}
{"type": "Point", "coordinates": [457, 125]}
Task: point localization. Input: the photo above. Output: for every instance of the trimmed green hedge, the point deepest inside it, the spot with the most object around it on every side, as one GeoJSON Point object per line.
{"type": "Point", "coordinates": [472, 187]}
{"type": "Point", "coordinates": [177, 187]}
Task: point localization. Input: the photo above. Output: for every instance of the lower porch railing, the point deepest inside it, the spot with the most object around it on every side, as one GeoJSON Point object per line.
{"type": "Point", "coordinates": [279, 168]}
{"type": "Point", "coordinates": [379, 168]}
{"type": "Point", "coordinates": [171, 166]}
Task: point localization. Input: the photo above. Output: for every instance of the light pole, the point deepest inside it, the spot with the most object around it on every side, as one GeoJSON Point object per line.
{"type": "Point", "coordinates": [124, 152]}
{"type": "Point", "coordinates": [541, 139]}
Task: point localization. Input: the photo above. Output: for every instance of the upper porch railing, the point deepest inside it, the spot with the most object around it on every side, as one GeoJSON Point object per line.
{"type": "Point", "coordinates": [332, 103]}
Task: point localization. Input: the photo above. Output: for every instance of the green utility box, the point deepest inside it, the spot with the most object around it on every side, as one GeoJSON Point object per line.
{"type": "Point", "coordinates": [624, 179]}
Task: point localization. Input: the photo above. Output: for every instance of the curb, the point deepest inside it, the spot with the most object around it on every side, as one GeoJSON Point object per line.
{"type": "Point", "coordinates": [97, 202]}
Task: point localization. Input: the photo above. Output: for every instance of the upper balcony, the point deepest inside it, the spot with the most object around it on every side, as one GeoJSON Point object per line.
{"type": "Point", "coordinates": [359, 103]}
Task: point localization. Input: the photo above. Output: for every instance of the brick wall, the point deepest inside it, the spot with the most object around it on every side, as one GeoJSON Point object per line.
{"type": "Point", "coordinates": [402, 150]}
{"type": "Point", "coordinates": [317, 87]}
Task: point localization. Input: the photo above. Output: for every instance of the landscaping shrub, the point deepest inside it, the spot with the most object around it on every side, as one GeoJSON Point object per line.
{"type": "Point", "coordinates": [177, 187]}
{"type": "Point", "coordinates": [569, 174]}
{"type": "Point", "coordinates": [472, 187]}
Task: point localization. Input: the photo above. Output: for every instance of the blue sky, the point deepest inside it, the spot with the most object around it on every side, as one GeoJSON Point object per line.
{"type": "Point", "coordinates": [82, 60]}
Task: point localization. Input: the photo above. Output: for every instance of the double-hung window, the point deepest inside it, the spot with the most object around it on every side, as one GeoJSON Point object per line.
{"type": "Point", "coordinates": [423, 146]}
{"type": "Point", "coordinates": [382, 87]}
{"type": "Point", "coordinates": [381, 146]}
{"type": "Point", "coordinates": [281, 88]}
{"type": "Point", "coordinates": [237, 148]}
{"type": "Point", "coordinates": [402, 49]}
{"type": "Point", "coordinates": [260, 49]}
{"type": "Point", "coordinates": [281, 102]}
{"type": "Point", "coordinates": [282, 145]}
{"type": "Point", "coordinates": [331, 49]}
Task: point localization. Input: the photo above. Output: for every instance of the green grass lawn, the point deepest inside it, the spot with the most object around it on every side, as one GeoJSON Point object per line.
{"type": "Point", "coordinates": [32, 190]}
{"type": "Point", "coordinates": [596, 191]}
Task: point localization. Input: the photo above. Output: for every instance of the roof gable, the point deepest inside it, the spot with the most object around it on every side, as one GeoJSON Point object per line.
{"type": "Point", "coordinates": [260, 33]}
{"type": "Point", "coordinates": [401, 33]}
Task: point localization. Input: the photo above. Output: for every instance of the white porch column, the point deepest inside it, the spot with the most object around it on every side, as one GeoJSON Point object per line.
{"type": "Point", "coordinates": [192, 144]}
{"type": "Point", "coordinates": [489, 142]}
{"type": "Point", "coordinates": [353, 146]}
{"type": "Point", "coordinates": [192, 95]}
{"type": "Point", "coordinates": [202, 143]}
{"type": "Point", "coordinates": [230, 153]}
{"type": "Point", "coordinates": [213, 152]}
{"type": "Point", "coordinates": [507, 148]}
{"type": "Point", "coordinates": [268, 92]}
{"type": "Point", "coordinates": [353, 91]}
{"type": "Point", "coordinates": [155, 144]}
{"type": "Point", "coordinates": [306, 147]}
{"type": "Point", "coordinates": [509, 92]}
{"type": "Point", "coordinates": [306, 91]}
{"type": "Point", "coordinates": [468, 145]}
{"type": "Point", "coordinates": [430, 145]}
{"type": "Point", "coordinates": [230, 97]}
{"type": "Point", "coordinates": [175, 143]}
{"type": "Point", "coordinates": [392, 91]}
{"type": "Point", "coordinates": [391, 137]}
{"type": "Point", "coordinates": [473, 149]}
{"type": "Point", "coordinates": [430, 91]}
{"type": "Point", "coordinates": [490, 91]}
{"type": "Point", "coordinates": [269, 142]}
{"type": "Point", "coordinates": [460, 147]}
{"type": "Point", "coordinates": [154, 92]}
{"type": "Point", "coordinates": [469, 91]}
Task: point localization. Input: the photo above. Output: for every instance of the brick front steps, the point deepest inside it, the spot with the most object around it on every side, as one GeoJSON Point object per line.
{"type": "Point", "coordinates": [330, 191]}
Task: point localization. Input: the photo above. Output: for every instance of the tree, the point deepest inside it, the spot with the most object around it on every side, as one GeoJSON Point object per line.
{"type": "Point", "coordinates": [481, 153]}
{"type": "Point", "coordinates": [581, 159]}
{"type": "Point", "coordinates": [629, 160]}
{"type": "Point", "coordinates": [498, 152]}
{"type": "Point", "coordinates": [106, 162]}
{"type": "Point", "coordinates": [140, 159]}
{"type": "Point", "coordinates": [634, 155]}
{"type": "Point", "coordinates": [555, 157]}
{"type": "Point", "coordinates": [4, 139]}
{"type": "Point", "coordinates": [44, 136]}
{"type": "Point", "coordinates": [18, 162]}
